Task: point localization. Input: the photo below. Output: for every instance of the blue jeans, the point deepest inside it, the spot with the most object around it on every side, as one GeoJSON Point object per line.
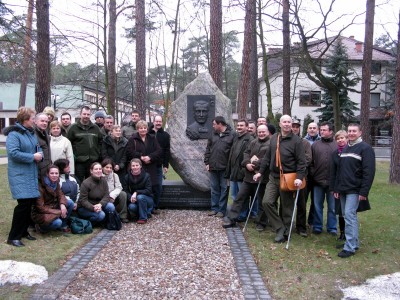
{"type": "Point", "coordinates": [246, 206]}
{"type": "Point", "coordinates": [219, 191]}
{"type": "Point", "coordinates": [235, 186]}
{"type": "Point", "coordinates": [95, 217]}
{"type": "Point", "coordinates": [142, 207]}
{"type": "Point", "coordinates": [320, 193]}
{"type": "Point", "coordinates": [349, 203]}
{"type": "Point", "coordinates": [157, 189]}
{"type": "Point", "coordinates": [60, 223]}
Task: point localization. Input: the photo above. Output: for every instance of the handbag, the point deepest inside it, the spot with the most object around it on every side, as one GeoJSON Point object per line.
{"type": "Point", "coordinates": [80, 226]}
{"type": "Point", "coordinates": [286, 180]}
{"type": "Point", "coordinates": [113, 221]}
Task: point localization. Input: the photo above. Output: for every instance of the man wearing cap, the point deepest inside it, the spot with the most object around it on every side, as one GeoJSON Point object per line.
{"type": "Point", "coordinates": [99, 118]}
{"type": "Point", "coordinates": [301, 217]}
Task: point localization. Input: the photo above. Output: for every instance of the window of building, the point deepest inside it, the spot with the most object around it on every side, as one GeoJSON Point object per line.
{"type": "Point", "coordinates": [376, 68]}
{"type": "Point", "coordinates": [310, 98]}
{"type": "Point", "coordinates": [375, 100]}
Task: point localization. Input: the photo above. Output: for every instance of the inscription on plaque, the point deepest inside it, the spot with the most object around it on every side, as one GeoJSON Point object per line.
{"type": "Point", "coordinates": [177, 194]}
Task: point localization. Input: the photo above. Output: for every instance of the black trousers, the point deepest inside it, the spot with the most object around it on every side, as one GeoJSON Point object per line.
{"type": "Point", "coordinates": [82, 170]}
{"type": "Point", "coordinates": [301, 217]}
{"type": "Point", "coordinates": [21, 218]}
{"type": "Point", "coordinates": [246, 190]}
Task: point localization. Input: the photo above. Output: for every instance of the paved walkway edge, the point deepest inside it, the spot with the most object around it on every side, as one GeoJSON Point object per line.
{"type": "Point", "coordinates": [250, 277]}
{"type": "Point", "coordinates": [56, 283]}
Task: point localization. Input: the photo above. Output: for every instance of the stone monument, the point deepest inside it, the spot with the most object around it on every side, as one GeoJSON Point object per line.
{"type": "Point", "coordinates": [190, 125]}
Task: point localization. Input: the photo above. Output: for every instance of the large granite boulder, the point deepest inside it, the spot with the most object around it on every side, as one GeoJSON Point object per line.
{"type": "Point", "coordinates": [189, 128]}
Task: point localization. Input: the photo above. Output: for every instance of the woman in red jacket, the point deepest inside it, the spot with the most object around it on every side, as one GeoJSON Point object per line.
{"type": "Point", "coordinates": [51, 210]}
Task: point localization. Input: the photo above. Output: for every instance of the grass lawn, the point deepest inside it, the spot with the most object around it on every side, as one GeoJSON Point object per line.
{"type": "Point", "coordinates": [50, 250]}
{"type": "Point", "coordinates": [311, 269]}
{"type": "Point", "coordinates": [3, 151]}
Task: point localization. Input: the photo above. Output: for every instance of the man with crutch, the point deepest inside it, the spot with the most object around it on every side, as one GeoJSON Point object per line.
{"type": "Point", "coordinates": [252, 156]}
{"type": "Point", "coordinates": [292, 156]}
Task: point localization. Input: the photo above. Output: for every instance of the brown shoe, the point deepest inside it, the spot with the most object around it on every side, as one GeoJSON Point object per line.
{"type": "Point", "coordinates": [125, 221]}
{"type": "Point", "coordinates": [141, 222]}
{"type": "Point", "coordinates": [212, 213]}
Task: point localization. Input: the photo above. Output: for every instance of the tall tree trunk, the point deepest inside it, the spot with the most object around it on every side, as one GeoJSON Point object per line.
{"type": "Point", "coordinates": [216, 41]}
{"type": "Point", "coordinates": [268, 94]}
{"type": "Point", "coordinates": [112, 77]}
{"type": "Point", "coordinates": [246, 60]}
{"type": "Point", "coordinates": [42, 88]}
{"type": "Point", "coordinates": [395, 161]}
{"type": "Point", "coordinates": [106, 85]}
{"type": "Point", "coordinates": [140, 56]}
{"type": "Point", "coordinates": [171, 69]}
{"type": "Point", "coordinates": [253, 94]}
{"type": "Point", "coordinates": [27, 55]}
{"type": "Point", "coordinates": [286, 58]}
{"type": "Point", "coordinates": [366, 70]}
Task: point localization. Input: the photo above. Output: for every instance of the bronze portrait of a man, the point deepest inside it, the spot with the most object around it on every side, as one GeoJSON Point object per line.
{"type": "Point", "coordinates": [199, 128]}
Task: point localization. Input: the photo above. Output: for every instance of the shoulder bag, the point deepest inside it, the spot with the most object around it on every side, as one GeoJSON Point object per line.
{"type": "Point", "coordinates": [286, 180]}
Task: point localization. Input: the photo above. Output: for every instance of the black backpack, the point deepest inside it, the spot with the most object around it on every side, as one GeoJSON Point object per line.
{"type": "Point", "coordinates": [113, 221]}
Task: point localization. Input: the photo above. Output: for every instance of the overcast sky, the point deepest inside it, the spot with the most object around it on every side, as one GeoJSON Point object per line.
{"type": "Point", "coordinates": [68, 16]}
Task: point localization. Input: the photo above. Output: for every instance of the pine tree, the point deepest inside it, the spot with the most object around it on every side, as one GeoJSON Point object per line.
{"type": "Point", "coordinates": [340, 73]}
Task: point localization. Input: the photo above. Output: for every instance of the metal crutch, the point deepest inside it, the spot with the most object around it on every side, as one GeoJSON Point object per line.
{"type": "Point", "coordinates": [294, 212]}
{"type": "Point", "coordinates": [251, 206]}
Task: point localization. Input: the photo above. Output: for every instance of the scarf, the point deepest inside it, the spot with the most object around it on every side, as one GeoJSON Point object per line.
{"type": "Point", "coordinates": [340, 148]}
{"type": "Point", "coordinates": [52, 185]}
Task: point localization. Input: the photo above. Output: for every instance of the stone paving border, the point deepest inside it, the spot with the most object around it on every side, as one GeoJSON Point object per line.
{"type": "Point", "coordinates": [53, 286]}
{"type": "Point", "coordinates": [249, 275]}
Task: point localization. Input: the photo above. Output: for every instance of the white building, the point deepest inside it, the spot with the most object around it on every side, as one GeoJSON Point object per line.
{"type": "Point", "coordinates": [305, 94]}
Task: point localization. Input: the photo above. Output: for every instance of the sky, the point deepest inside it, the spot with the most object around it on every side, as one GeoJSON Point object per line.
{"type": "Point", "coordinates": [76, 20]}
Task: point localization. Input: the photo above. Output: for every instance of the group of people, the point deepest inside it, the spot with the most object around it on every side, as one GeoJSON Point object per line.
{"type": "Point", "coordinates": [90, 169]}
{"type": "Point", "coordinates": [338, 168]}
{"type": "Point", "coordinates": [95, 168]}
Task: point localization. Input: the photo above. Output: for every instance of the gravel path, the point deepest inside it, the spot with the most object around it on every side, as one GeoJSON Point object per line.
{"type": "Point", "coordinates": [177, 255]}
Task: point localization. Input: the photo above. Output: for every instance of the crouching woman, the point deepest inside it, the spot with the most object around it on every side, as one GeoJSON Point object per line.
{"type": "Point", "coordinates": [51, 210]}
{"type": "Point", "coordinates": [139, 191]}
{"type": "Point", "coordinates": [94, 201]}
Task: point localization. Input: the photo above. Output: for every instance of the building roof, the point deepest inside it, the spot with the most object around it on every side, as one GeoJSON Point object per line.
{"type": "Point", "coordinates": [355, 49]}
{"type": "Point", "coordinates": [67, 96]}
{"type": "Point", "coordinates": [355, 52]}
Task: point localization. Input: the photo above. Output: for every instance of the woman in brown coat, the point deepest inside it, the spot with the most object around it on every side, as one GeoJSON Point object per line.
{"type": "Point", "coordinates": [51, 209]}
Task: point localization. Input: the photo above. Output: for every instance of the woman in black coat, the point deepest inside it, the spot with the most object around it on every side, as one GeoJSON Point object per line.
{"type": "Point", "coordinates": [144, 146]}
{"type": "Point", "coordinates": [139, 191]}
{"type": "Point", "coordinates": [114, 147]}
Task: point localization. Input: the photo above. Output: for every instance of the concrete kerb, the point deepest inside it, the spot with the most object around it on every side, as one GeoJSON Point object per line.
{"type": "Point", "coordinates": [64, 276]}
{"type": "Point", "coordinates": [249, 275]}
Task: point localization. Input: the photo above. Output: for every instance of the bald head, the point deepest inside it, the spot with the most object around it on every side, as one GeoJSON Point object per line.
{"type": "Point", "coordinates": [262, 132]}
{"type": "Point", "coordinates": [312, 129]}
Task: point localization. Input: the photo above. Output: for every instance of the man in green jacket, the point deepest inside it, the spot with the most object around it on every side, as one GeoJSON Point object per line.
{"type": "Point", "coordinates": [86, 139]}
